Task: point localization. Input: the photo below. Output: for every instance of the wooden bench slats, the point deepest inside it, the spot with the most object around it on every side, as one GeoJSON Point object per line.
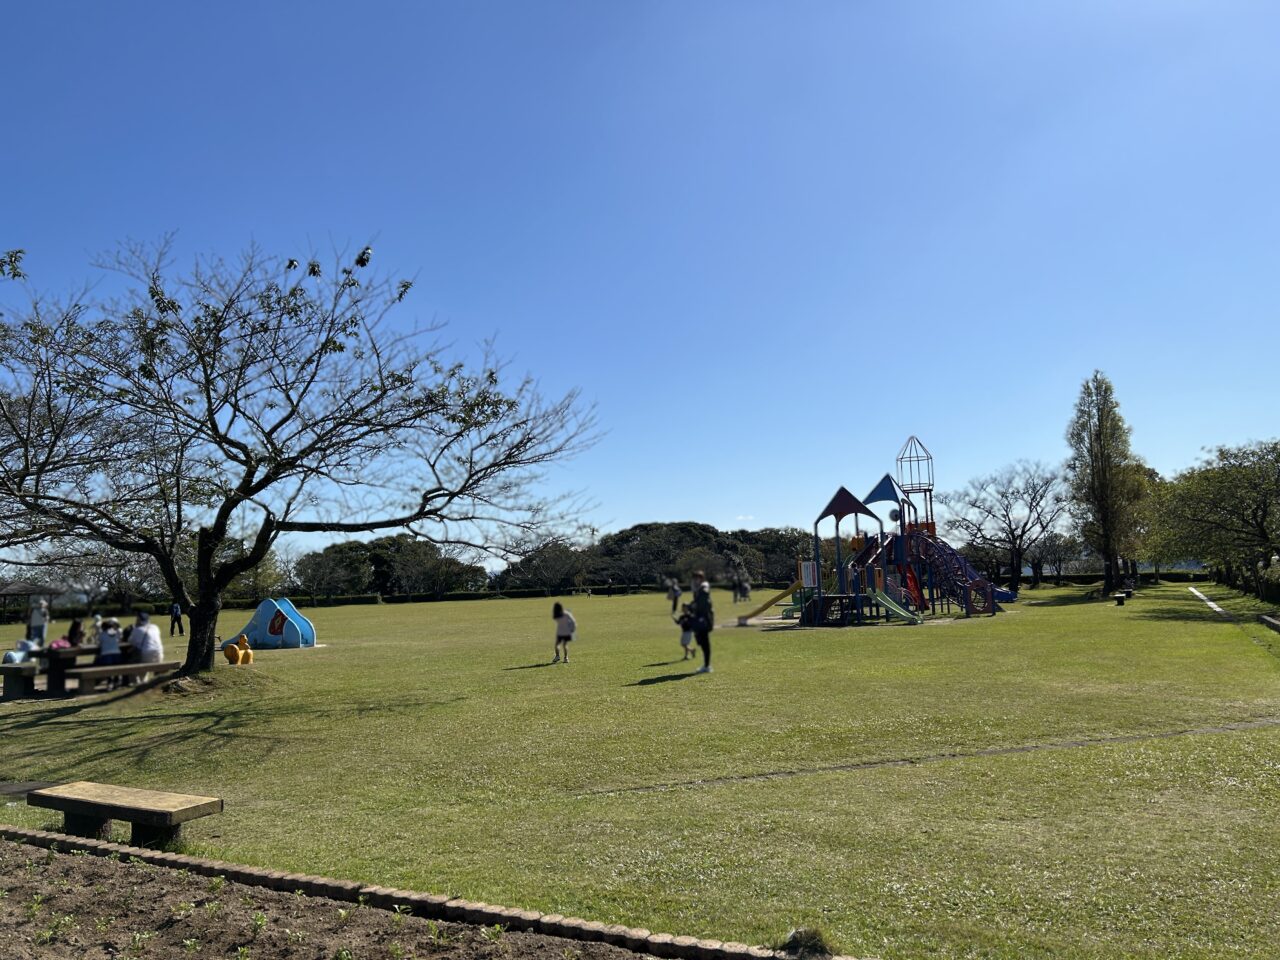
{"type": "Point", "coordinates": [104, 800]}
{"type": "Point", "coordinates": [121, 670]}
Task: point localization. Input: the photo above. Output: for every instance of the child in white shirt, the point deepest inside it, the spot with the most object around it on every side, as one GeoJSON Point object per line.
{"type": "Point", "coordinates": [566, 627]}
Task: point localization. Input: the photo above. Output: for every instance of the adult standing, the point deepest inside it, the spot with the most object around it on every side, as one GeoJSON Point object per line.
{"type": "Point", "coordinates": [673, 594]}
{"type": "Point", "coordinates": [704, 618]}
{"type": "Point", "coordinates": [175, 619]}
{"type": "Point", "coordinates": [38, 622]}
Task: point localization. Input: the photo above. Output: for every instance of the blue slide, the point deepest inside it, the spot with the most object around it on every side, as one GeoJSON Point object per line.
{"type": "Point", "coordinates": [306, 629]}
{"type": "Point", "coordinates": [275, 625]}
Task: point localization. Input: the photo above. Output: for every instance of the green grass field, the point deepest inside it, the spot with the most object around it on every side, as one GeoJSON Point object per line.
{"type": "Point", "coordinates": [432, 747]}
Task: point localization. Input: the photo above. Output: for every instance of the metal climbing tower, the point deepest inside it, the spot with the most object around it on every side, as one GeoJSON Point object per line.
{"type": "Point", "coordinates": [915, 474]}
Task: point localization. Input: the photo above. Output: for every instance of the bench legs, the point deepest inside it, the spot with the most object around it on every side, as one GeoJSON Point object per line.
{"type": "Point", "coordinates": [147, 835]}
{"type": "Point", "coordinates": [82, 825]}
{"type": "Point", "coordinates": [99, 828]}
{"type": "Point", "coordinates": [19, 687]}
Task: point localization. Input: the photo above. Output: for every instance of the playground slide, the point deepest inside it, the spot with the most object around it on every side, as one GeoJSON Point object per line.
{"type": "Point", "coordinates": [913, 586]}
{"type": "Point", "coordinates": [1002, 595]}
{"type": "Point", "coordinates": [742, 621]}
{"type": "Point", "coordinates": [887, 602]}
{"type": "Point", "coordinates": [306, 630]}
{"type": "Point", "coordinates": [277, 624]}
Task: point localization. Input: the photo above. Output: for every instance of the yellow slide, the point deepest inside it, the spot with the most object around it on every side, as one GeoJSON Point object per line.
{"type": "Point", "coordinates": [742, 621]}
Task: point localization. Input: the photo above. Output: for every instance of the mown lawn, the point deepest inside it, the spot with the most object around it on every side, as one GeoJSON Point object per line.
{"type": "Point", "coordinates": [430, 746]}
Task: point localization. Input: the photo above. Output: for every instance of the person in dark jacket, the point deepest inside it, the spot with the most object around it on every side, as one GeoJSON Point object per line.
{"type": "Point", "coordinates": [704, 618]}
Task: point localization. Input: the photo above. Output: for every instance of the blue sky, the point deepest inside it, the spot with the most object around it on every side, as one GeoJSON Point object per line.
{"type": "Point", "coordinates": [768, 240]}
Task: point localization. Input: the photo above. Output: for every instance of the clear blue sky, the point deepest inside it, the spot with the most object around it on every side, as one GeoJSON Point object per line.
{"type": "Point", "coordinates": [769, 240]}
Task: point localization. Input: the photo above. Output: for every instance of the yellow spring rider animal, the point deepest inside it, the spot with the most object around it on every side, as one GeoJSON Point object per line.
{"type": "Point", "coordinates": [238, 653]}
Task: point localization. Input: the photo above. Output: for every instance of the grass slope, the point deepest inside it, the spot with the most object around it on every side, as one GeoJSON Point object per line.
{"type": "Point", "coordinates": [430, 746]}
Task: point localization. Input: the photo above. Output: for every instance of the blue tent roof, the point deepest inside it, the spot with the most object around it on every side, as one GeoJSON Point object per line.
{"type": "Point", "coordinates": [886, 489]}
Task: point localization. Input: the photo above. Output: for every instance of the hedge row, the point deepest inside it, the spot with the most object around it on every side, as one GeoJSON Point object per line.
{"type": "Point", "coordinates": [1166, 576]}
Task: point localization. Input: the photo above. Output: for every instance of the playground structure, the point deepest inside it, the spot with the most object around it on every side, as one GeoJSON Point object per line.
{"type": "Point", "coordinates": [277, 624]}
{"type": "Point", "coordinates": [902, 575]}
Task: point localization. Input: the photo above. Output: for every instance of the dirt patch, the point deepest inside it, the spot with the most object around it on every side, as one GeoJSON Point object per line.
{"type": "Point", "coordinates": [70, 906]}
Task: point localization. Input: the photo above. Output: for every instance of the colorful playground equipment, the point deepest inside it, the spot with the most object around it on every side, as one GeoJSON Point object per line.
{"type": "Point", "coordinates": [237, 652]}
{"type": "Point", "coordinates": [277, 624]}
{"type": "Point", "coordinates": [902, 575]}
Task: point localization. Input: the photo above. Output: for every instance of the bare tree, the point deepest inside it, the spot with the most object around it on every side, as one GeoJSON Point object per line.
{"type": "Point", "coordinates": [1008, 511]}
{"type": "Point", "coordinates": [264, 396]}
{"type": "Point", "coordinates": [1054, 550]}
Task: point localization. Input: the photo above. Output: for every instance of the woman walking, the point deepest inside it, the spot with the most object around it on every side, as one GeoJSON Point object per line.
{"type": "Point", "coordinates": [704, 618]}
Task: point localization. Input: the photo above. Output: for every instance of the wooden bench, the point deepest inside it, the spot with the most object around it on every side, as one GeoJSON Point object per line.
{"type": "Point", "coordinates": [19, 679]}
{"type": "Point", "coordinates": [88, 809]}
{"type": "Point", "coordinates": [88, 676]}
{"type": "Point", "coordinates": [62, 659]}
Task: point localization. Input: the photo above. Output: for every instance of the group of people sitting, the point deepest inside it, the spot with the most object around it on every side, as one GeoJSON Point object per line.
{"type": "Point", "coordinates": [109, 637]}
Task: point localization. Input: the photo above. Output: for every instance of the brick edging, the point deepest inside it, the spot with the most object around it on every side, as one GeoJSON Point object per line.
{"type": "Point", "coordinates": [432, 905]}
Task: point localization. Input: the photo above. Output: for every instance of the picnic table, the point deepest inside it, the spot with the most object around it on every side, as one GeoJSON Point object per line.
{"type": "Point", "coordinates": [61, 659]}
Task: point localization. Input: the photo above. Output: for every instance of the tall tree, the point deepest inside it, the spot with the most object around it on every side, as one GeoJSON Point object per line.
{"type": "Point", "coordinates": [1103, 473]}
{"type": "Point", "coordinates": [266, 396]}
{"type": "Point", "coordinates": [1008, 511]}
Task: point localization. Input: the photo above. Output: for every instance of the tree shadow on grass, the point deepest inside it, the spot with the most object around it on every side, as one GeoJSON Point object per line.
{"type": "Point", "coordinates": [1191, 610]}
{"type": "Point", "coordinates": [665, 678]}
{"type": "Point", "coordinates": [133, 740]}
{"type": "Point", "coordinates": [1070, 600]}
{"type": "Point", "coordinates": [1182, 608]}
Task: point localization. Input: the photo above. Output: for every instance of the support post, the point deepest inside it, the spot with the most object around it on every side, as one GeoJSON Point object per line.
{"type": "Point", "coordinates": [86, 825]}
{"type": "Point", "coordinates": [154, 835]}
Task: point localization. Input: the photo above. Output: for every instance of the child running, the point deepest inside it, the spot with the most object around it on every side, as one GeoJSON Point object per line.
{"type": "Point", "coordinates": [685, 620]}
{"type": "Point", "coordinates": [566, 627]}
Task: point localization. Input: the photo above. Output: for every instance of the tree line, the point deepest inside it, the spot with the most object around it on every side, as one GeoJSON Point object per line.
{"type": "Point", "coordinates": [1107, 510]}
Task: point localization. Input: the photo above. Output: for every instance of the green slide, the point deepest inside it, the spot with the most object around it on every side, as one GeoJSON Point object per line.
{"type": "Point", "coordinates": [888, 603]}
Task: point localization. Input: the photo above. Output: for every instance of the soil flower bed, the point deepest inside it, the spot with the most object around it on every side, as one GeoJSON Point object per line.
{"type": "Point", "coordinates": [70, 905]}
